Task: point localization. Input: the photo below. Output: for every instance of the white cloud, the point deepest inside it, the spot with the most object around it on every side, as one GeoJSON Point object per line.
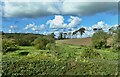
{"type": "Point", "coordinates": [34, 8]}
{"type": "Point", "coordinates": [58, 22]}
{"type": "Point", "coordinates": [74, 21]}
{"type": "Point", "coordinates": [12, 28]}
{"type": "Point", "coordinates": [42, 27]}
{"type": "Point", "coordinates": [61, 0]}
{"type": "Point", "coordinates": [29, 26]}
{"type": "Point", "coordinates": [89, 33]}
{"type": "Point", "coordinates": [89, 29]}
{"type": "Point", "coordinates": [29, 9]}
{"type": "Point", "coordinates": [88, 7]}
{"type": "Point", "coordinates": [102, 25]}
{"type": "Point", "coordinates": [35, 27]}
{"type": "Point", "coordinates": [115, 25]}
{"type": "Point", "coordinates": [10, 31]}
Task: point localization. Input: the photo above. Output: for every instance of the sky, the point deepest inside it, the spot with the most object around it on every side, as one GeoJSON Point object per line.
{"type": "Point", "coordinates": [46, 16]}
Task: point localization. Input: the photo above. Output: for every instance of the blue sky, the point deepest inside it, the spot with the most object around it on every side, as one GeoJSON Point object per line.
{"type": "Point", "coordinates": [47, 17]}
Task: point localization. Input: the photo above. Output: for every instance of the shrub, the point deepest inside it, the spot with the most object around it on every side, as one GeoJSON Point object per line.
{"type": "Point", "coordinates": [89, 53]}
{"type": "Point", "coordinates": [41, 42]}
{"type": "Point", "coordinates": [26, 40]}
{"type": "Point", "coordinates": [40, 46]}
{"type": "Point", "coordinates": [116, 43]}
{"type": "Point", "coordinates": [51, 46]}
{"type": "Point", "coordinates": [23, 42]}
{"type": "Point", "coordinates": [50, 39]}
{"type": "Point", "coordinates": [99, 39]}
{"type": "Point", "coordinates": [8, 45]}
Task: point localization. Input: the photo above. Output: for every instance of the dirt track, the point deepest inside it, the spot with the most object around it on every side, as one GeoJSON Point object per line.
{"type": "Point", "coordinates": [80, 41]}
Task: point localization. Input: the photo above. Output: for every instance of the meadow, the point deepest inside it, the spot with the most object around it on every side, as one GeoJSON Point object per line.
{"type": "Point", "coordinates": [65, 60]}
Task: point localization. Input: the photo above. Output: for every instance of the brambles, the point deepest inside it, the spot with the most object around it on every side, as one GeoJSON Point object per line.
{"type": "Point", "coordinates": [8, 45]}
{"type": "Point", "coordinates": [50, 46]}
{"type": "Point", "coordinates": [116, 44]}
{"type": "Point", "coordinates": [114, 40]}
{"type": "Point", "coordinates": [99, 39]}
{"type": "Point", "coordinates": [90, 53]}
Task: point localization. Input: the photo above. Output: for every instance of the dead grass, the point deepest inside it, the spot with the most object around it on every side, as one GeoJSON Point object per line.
{"type": "Point", "coordinates": [80, 41]}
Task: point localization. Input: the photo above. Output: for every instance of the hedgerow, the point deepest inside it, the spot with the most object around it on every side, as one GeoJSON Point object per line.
{"type": "Point", "coordinates": [89, 52]}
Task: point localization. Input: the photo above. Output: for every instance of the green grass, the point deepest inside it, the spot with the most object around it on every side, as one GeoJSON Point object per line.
{"type": "Point", "coordinates": [65, 60]}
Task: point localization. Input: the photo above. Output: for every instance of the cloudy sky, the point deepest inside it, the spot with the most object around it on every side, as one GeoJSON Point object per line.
{"type": "Point", "coordinates": [47, 16]}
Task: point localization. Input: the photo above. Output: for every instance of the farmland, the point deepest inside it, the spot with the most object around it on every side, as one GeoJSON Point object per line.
{"type": "Point", "coordinates": [79, 41]}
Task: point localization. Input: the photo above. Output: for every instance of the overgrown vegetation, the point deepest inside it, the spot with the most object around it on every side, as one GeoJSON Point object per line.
{"type": "Point", "coordinates": [89, 52]}
{"type": "Point", "coordinates": [99, 39]}
{"type": "Point", "coordinates": [51, 46]}
{"type": "Point", "coordinates": [8, 45]}
{"type": "Point", "coordinates": [66, 60]}
{"type": "Point", "coordinates": [41, 42]}
{"type": "Point", "coordinates": [26, 40]}
{"type": "Point", "coordinates": [12, 41]}
{"type": "Point", "coordinates": [116, 43]}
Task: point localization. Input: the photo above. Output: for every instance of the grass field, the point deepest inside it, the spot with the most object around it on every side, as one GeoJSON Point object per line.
{"type": "Point", "coordinates": [65, 60]}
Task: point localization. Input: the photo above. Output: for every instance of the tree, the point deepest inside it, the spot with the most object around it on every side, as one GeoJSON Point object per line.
{"type": "Point", "coordinates": [116, 43]}
{"type": "Point", "coordinates": [81, 31]}
{"type": "Point", "coordinates": [75, 32]}
{"type": "Point", "coordinates": [1, 32]}
{"type": "Point", "coordinates": [69, 33]}
{"type": "Point", "coordinates": [65, 34]}
{"type": "Point", "coordinates": [100, 29]}
{"type": "Point", "coordinates": [95, 29]}
{"type": "Point", "coordinates": [52, 35]}
{"type": "Point", "coordinates": [113, 30]}
{"type": "Point", "coordinates": [60, 36]}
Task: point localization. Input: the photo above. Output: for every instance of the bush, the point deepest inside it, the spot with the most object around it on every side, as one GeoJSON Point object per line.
{"type": "Point", "coordinates": [51, 46]}
{"type": "Point", "coordinates": [116, 43]}
{"type": "Point", "coordinates": [41, 42]}
{"type": "Point", "coordinates": [23, 42]}
{"type": "Point", "coordinates": [8, 45]}
{"type": "Point", "coordinates": [99, 39]}
{"type": "Point", "coordinates": [40, 46]}
{"type": "Point", "coordinates": [90, 53]}
{"type": "Point", "coordinates": [26, 40]}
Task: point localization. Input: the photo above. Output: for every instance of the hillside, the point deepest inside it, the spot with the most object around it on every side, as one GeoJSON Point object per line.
{"type": "Point", "coordinates": [79, 41]}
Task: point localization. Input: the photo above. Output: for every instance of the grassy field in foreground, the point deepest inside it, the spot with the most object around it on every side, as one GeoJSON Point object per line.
{"type": "Point", "coordinates": [65, 60]}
